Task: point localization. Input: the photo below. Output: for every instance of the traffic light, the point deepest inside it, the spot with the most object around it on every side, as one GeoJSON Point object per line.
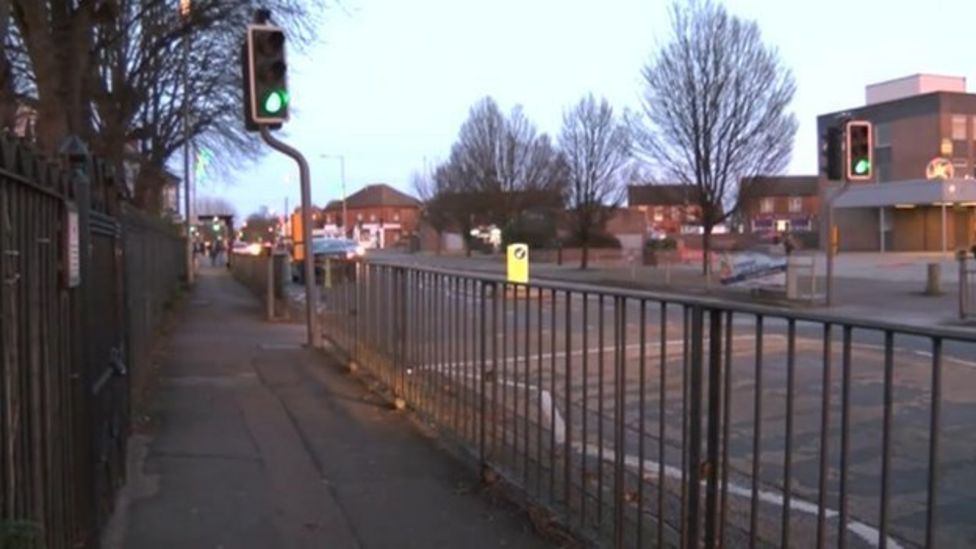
{"type": "Point", "coordinates": [860, 151]}
{"type": "Point", "coordinates": [265, 77]}
{"type": "Point", "coordinates": [834, 153]}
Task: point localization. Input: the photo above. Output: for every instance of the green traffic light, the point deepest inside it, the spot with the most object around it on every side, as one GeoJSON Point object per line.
{"type": "Point", "coordinates": [862, 167]}
{"type": "Point", "coordinates": [275, 101]}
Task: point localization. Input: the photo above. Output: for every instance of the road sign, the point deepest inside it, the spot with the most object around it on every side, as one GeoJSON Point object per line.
{"type": "Point", "coordinates": [939, 168]}
{"type": "Point", "coordinates": [518, 263]}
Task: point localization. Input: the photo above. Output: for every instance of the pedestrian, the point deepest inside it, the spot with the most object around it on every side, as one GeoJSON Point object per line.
{"type": "Point", "coordinates": [214, 251]}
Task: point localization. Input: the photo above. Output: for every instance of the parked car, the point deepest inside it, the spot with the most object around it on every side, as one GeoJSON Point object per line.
{"type": "Point", "coordinates": [339, 249]}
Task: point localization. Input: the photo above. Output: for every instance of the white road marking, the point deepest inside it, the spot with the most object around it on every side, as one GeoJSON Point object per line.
{"type": "Point", "coordinates": [554, 417]}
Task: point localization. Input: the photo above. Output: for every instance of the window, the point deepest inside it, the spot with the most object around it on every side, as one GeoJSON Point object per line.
{"type": "Point", "coordinates": [884, 171]}
{"type": "Point", "coordinates": [958, 127]}
{"type": "Point", "coordinates": [882, 135]}
{"type": "Point", "coordinates": [658, 213]}
{"type": "Point", "coordinates": [959, 167]}
{"type": "Point", "coordinates": [796, 204]}
{"type": "Point", "coordinates": [359, 217]}
{"type": "Point", "coordinates": [675, 212]}
{"type": "Point", "coordinates": [766, 205]}
{"type": "Point", "coordinates": [396, 217]}
{"type": "Point", "coordinates": [372, 217]}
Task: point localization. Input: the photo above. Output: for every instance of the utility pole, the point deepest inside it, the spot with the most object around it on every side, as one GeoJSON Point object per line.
{"type": "Point", "coordinates": [185, 11]}
{"type": "Point", "coordinates": [266, 106]}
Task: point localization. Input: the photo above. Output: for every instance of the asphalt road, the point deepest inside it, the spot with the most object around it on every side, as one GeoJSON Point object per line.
{"type": "Point", "coordinates": [551, 369]}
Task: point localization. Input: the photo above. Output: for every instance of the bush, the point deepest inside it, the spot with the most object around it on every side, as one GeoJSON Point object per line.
{"type": "Point", "coordinates": [598, 240]}
{"type": "Point", "coordinates": [537, 233]}
{"type": "Point", "coordinates": [662, 244]}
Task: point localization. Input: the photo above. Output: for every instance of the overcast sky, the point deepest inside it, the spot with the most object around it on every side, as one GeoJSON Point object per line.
{"type": "Point", "coordinates": [389, 82]}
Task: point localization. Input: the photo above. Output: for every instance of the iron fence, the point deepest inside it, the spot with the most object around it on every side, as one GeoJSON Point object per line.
{"type": "Point", "coordinates": [967, 285]}
{"type": "Point", "coordinates": [643, 419]}
{"type": "Point", "coordinates": [64, 383]}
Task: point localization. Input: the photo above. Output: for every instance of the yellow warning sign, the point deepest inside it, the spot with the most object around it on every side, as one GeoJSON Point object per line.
{"type": "Point", "coordinates": [298, 253]}
{"type": "Point", "coordinates": [518, 263]}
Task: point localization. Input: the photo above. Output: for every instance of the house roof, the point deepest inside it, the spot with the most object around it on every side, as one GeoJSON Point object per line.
{"type": "Point", "coordinates": [661, 195]}
{"type": "Point", "coordinates": [374, 196]}
{"type": "Point", "coordinates": [784, 185]}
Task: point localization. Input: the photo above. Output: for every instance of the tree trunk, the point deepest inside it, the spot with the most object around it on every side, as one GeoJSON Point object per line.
{"type": "Point", "coordinates": [706, 249]}
{"type": "Point", "coordinates": [585, 255]}
{"type": "Point", "coordinates": [440, 241]}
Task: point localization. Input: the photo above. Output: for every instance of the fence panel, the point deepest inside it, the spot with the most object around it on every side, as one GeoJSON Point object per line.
{"type": "Point", "coordinates": [64, 388]}
{"type": "Point", "coordinates": [642, 419]}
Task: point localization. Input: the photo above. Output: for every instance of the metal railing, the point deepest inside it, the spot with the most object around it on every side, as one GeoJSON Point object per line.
{"type": "Point", "coordinates": [967, 285]}
{"type": "Point", "coordinates": [266, 276]}
{"type": "Point", "coordinates": [68, 343]}
{"type": "Point", "coordinates": [643, 419]}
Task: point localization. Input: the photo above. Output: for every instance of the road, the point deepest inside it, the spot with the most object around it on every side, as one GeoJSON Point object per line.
{"type": "Point", "coordinates": [551, 368]}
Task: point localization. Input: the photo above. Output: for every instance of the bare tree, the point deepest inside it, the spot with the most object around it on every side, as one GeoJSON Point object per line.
{"type": "Point", "coordinates": [597, 147]}
{"type": "Point", "coordinates": [259, 227]}
{"type": "Point", "coordinates": [214, 205]}
{"type": "Point", "coordinates": [505, 160]}
{"type": "Point", "coordinates": [110, 71]}
{"type": "Point", "coordinates": [434, 209]}
{"type": "Point", "coordinates": [715, 109]}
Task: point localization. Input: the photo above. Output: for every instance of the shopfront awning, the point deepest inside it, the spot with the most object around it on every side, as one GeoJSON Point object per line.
{"type": "Point", "coordinates": [920, 192]}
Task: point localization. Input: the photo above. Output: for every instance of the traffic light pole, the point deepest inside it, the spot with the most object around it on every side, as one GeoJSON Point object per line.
{"type": "Point", "coordinates": [831, 248]}
{"type": "Point", "coordinates": [311, 290]}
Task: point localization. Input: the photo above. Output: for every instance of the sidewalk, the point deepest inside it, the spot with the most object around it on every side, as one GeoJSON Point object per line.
{"type": "Point", "coordinates": [256, 442]}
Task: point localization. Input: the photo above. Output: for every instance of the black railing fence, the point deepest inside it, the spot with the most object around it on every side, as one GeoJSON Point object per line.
{"type": "Point", "coordinates": [646, 420]}
{"type": "Point", "coordinates": [78, 307]}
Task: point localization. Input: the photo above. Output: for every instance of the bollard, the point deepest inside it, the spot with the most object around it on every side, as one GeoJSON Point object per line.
{"type": "Point", "coordinates": [932, 279]}
{"type": "Point", "coordinates": [269, 290]}
{"type": "Point", "coordinates": [963, 284]}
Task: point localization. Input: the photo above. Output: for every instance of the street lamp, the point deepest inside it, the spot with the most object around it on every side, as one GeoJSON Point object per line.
{"type": "Point", "coordinates": [342, 178]}
{"type": "Point", "coordinates": [185, 12]}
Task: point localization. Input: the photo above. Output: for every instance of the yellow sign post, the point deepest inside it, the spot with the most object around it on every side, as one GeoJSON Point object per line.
{"type": "Point", "coordinates": [297, 240]}
{"type": "Point", "coordinates": [518, 263]}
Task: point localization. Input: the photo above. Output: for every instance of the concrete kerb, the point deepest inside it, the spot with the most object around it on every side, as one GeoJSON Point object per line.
{"type": "Point", "coordinates": [494, 483]}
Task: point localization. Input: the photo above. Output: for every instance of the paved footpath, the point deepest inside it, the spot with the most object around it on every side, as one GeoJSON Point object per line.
{"type": "Point", "coordinates": [255, 442]}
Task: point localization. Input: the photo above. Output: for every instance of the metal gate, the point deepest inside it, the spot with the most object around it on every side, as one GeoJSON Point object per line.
{"type": "Point", "coordinates": [63, 389]}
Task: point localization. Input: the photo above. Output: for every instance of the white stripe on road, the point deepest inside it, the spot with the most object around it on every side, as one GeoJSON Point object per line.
{"type": "Point", "coordinates": [553, 416]}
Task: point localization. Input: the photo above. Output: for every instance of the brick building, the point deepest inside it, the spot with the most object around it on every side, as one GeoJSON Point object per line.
{"type": "Point", "coordinates": [781, 204]}
{"type": "Point", "coordinates": [916, 120]}
{"type": "Point", "coordinates": [379, 216]}
{"type": "Point", "coordinates": [667, 209]}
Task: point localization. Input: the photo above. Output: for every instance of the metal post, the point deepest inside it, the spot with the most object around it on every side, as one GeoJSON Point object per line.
{"type": "Point", "coordinates": [830, 243]}
{"type": "Point", "coordinates": [185, 12]}
{"type": "Point", "coordinates": [944, 229]}
{"type": "Point", "coordinates": [881, 228]}
{"type": "Point", "coordinates": [963, 284]}
{"type": "Point", "coordinates": [342, 179]}
{"type": "Point", "coordinates": [311, 290]}
{"type": "Point", "coordinates": [269, 289]}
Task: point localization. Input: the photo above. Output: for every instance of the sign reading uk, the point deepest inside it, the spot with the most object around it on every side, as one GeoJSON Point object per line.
{"type": "Point", "coordinates": [72, 246]}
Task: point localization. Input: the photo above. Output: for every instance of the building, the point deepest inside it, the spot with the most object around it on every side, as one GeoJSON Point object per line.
{"type": "Point", "coordinates": [379, 216]}
{"type": "Point", "coordinates": [919, 121]}
{"type": "Point", "coordinates": [667, 209]}
{"type": "Point", "coordinates": [780, 204]}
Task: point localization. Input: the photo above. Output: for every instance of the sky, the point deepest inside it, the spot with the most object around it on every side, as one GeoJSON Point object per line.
{"type": "Point", "coordinates": [388, 83]}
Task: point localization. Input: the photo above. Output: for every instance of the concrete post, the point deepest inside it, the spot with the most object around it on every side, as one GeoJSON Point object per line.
{"type": "Point", "coordinates": [932, 279]}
